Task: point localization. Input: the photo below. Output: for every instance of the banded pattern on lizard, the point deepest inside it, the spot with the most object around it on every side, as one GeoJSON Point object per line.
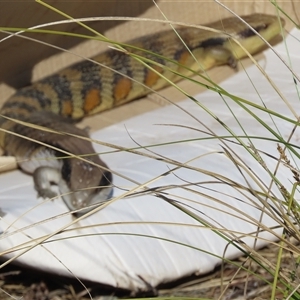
{"type": "Point", "coordinates": [86, 88]}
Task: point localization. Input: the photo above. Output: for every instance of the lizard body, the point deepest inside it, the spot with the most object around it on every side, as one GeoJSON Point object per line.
{"type": "Point", "coordinates": [86, 88]}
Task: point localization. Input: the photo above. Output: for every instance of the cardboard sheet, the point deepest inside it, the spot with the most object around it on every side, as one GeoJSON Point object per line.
{"type": "Point", "coordinates": [143, 239]}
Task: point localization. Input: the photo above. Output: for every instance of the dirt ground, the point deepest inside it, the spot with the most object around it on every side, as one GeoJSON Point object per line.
{"type": "Point", "coordinates": [17, 282]}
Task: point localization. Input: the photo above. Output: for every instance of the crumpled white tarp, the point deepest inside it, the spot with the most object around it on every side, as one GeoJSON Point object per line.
{"type": "Point", "coordinates": [143, 239]}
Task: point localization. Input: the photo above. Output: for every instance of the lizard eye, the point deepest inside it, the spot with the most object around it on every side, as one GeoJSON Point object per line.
{"type": "Point", "coordinates": [66, 170]}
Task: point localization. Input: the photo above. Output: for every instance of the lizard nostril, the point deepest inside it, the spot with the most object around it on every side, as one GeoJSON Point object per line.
{"type": "Point", "coordinates": [106, 179]}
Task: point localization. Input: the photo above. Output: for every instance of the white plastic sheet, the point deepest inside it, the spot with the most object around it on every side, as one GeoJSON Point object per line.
{"type": "Point", "coordinates": [143, 239]}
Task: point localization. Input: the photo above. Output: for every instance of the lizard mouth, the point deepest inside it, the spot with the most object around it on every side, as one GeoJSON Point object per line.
{"type": "Point", "coordinates": [86, 198]}
{"type": "Point", "coordinates": [74, 200]}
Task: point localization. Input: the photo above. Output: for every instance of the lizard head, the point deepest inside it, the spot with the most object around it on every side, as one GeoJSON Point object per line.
{"type": "Point", "coordinates": [84, 184]}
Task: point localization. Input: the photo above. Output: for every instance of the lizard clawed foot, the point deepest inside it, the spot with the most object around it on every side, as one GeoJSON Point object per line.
{"type": "Point", "coordinates": [44, 177]}
{"type": "Point", "coordinates": [2, 214]}
{"type": "Point", "coordinates": [47, 193]}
